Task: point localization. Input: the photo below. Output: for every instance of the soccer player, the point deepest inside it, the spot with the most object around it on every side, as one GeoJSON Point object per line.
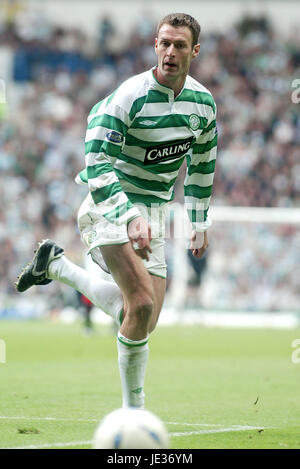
{"type": "Point", "coordinates": [137, 138]}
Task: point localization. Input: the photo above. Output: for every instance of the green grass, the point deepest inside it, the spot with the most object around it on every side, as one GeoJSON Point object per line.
{"type": "Point", "coordinates": [57, 384]}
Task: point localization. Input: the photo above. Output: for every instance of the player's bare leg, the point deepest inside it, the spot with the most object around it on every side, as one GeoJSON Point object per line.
{"type": "Point", "coordinates": [136, 285]}
{"type": "Point", "coordinates": [159, 287]}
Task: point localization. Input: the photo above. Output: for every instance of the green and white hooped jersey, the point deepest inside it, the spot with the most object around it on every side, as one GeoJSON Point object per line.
{"type": "Point", "coordinates": [138, 137]}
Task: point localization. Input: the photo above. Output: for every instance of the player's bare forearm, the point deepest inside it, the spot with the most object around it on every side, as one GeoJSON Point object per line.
{"type": "Point", "coordinates": [139, 234]}
{"type": "Point", "coordinates": [199, 243]}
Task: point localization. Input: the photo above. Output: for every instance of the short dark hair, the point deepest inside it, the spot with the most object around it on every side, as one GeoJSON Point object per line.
{"type": "Point", "coordinates": [182, 19]}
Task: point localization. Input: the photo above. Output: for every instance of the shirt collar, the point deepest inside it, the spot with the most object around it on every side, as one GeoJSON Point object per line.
{"type": "Point", "coordinates": [158, 86]}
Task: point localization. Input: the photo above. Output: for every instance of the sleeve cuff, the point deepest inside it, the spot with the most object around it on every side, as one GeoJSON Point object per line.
{"type": "Point", "coordinates": [202, 226]}
{"type": "Point", "coordinates": [134, 215]}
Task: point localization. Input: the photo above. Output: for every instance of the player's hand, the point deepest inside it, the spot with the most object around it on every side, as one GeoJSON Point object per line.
{"type": "Point", "coordinates": [139, 233]}
{"type": "Point", "coordinates": [199, 243]}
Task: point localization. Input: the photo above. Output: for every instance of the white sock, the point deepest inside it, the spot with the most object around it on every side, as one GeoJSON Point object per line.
{"type": "Point", "coordinates": [133, 356]}
{"type": "Point", "coordinates": [103, 294]}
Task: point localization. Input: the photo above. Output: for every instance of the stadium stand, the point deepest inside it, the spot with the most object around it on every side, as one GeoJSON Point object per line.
{"type": "Point", "coordinates": [59, 74]}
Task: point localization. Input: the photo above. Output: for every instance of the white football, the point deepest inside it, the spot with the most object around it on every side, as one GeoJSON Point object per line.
{"type": "Point", "coordinates": [131, 429]}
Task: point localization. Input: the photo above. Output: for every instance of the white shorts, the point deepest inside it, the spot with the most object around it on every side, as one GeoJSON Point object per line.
{"type": "Point", "coordinates": [97, 231]}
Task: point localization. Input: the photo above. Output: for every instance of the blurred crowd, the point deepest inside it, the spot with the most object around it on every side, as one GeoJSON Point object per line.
{"type": "Point", "coordinates": [59, 74]}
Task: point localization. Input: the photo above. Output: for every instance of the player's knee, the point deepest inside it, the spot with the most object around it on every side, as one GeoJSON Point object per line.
{"type": "Point", "coordinates": [144, 306]}
{"type": "Point", "coordinates": [141, 308]}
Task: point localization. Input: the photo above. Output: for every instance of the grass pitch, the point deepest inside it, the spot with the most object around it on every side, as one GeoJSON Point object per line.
{"type": "Point", "coordinates": [214, 388]}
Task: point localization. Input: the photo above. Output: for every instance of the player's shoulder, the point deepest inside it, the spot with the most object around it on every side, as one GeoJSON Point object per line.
{"type": "Point", "coordinates": [200, 93]}
{"type": "Point", "coordinates": [195, 85]}
{"type": "Point", "coordinates": [125, 95]}
{"type": "Point", "coordinates": [131, 90]}
{"type": "Point", "coordinates": [135, 84]}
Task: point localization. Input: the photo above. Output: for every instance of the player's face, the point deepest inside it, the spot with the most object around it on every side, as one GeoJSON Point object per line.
{"type": "Point", "coordinates": [175, 52]}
